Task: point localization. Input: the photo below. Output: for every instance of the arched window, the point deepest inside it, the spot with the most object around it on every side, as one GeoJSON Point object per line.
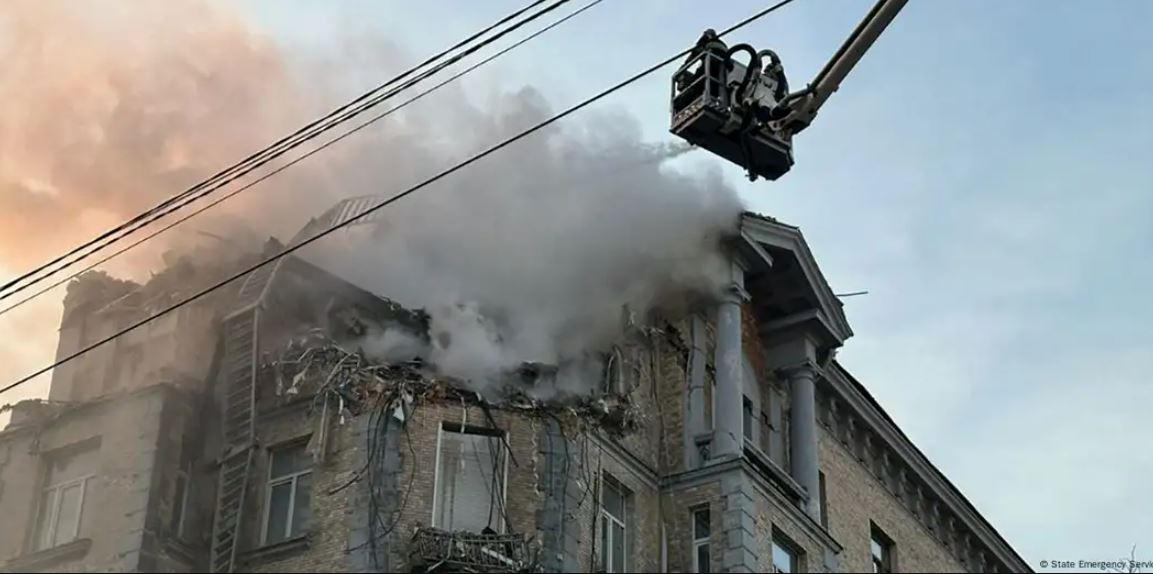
{"type": "Point", "coordinates": [612, 381]}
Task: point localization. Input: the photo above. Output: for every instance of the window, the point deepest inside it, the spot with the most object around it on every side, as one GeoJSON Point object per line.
{"type": "Point", "coordinates": [882, 549]}
{"type": "Point", "coordinates": [288, 503]}
{"type": "Point", "coordinates": [702, 529]}
{"type": "Point", "coordinates": [824, 500]}
{"type": "Point", "coordinates": [750, 402]}
{"type": "Point", "coordinates": [748, 418]}
{"type": "Point", "coordinates": [776, 426]}
{"type": "Point", "coordinates": [785, 554]}
{"type": "Point", "coordinates": [710, 392]}
{"type": "Point", "coordinates": [614, 527]}
{"type": "Point", "coordinates": [470, 479]}
{"type": "Point", "coordinates": [612, 381]}
{"type": "Point", "coordinates": [180, 503]}
{"type": "Point", "coordinates": [61, 508]}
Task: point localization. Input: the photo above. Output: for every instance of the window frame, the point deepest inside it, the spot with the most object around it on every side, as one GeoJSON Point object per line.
{"type": "Point", "coordinates": [748, 419]}
{"type": "Point", "coordinates": [711, 398]}
{"type": "Point", "coordinates": [181, 504]}
{"type": "Point", "coordinates": [823, 500]}
{"type": "Point", "coordinates": [776, 443]}
{"type": "Point", "coordinates": [887, 561]}
{"type": "Point", "coordinates": [607, 557]}
{"type": "Point", "coordinates": [699, 541]}
{"type": "Point", "coordinates": [457, 428]}
{"type": "Point", "coordinates": [612, 374]}
{"type": "Point", "coordinates": [272, 482]}
{"type": "Point", "coordinates": [45, 535]}
{"type": "Point", "coordinates": [779, 540]}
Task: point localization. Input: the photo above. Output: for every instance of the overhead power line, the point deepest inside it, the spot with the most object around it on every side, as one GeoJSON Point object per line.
{"type": "Point", "coordinates": [271, 152]}
{"type": "Point", "coordinates": [298, 159]}
{"type": "Point", "coordinates": [389, 201]}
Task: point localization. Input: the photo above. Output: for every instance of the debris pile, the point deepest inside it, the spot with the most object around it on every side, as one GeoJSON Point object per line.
{"type": "Point", "coordinates": [314, 364]}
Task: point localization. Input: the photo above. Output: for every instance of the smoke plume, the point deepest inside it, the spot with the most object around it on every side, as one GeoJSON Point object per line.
{"type": "Point", "coordinates": [107, 108]}
{"type": "Point", "coordinates": [528, 255]}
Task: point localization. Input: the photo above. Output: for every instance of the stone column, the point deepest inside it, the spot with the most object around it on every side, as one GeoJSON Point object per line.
{"type": "Point", "coordinates": [728, 438]}
{"type": "Point", "coordinates": [803, 433]}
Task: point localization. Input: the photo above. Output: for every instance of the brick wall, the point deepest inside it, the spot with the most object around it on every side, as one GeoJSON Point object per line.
{"type": "Point", "coordinates": [335, 515]}
{"type": "Point", "coordinates": [671, 384]}
{"type": "Point", "coordinates": [325, 546]}
{"type": "Point", "coordinates": [725, 493]}
{"type": "Point", "coordinates": [588, 459]}
{"type": "Point", "coordinates": [771, 515]}
{"type": "Point", "coordinates": [643, 512]}
{"type": "Point", "coordinates": [751, 341]}
{"type": "Point", "coordinates": [643, 361]}
{"type": "Point", "coordinates": [418, 450]}
{"type": "Point", "coordinates": [679, 528]}
{"type": "Point", "coordinates": [855, 497]}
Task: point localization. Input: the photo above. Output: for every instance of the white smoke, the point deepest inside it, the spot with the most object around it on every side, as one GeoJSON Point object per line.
{"type": "Point", "coordinates": [525, 256]}
{"type": "Point", "coordinates": [392, 345]}
{"type": "Point", "coordinates": [530, 254]}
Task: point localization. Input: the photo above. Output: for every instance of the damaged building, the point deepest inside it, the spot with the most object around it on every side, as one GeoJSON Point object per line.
{"type": "Point", "coordinates": [249, 431]}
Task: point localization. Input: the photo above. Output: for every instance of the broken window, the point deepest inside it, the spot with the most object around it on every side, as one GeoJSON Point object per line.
{"type": "Point", "coordinates": [61, 508]}
{"type": "Point", "coordinates": [614, 530]}
{"type": "Point", "coordinates": [702, 530]}
{"type": "Point", "coordinates": [470, 478]}
{"type": "Point", "coordinates": [288, 502]}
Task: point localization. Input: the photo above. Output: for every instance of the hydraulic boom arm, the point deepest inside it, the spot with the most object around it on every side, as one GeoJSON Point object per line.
{"type": "Point", "coordinates": [803, 105]}
{"type": "Point", "coordinates": [744, 112]}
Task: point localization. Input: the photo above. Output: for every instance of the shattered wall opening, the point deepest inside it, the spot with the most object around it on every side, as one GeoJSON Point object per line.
{"type": "Point", "coordinates": [467, 469]}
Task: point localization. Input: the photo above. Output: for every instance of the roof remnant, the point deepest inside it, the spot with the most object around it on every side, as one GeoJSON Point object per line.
{"type": "Point", "coordinates": [315, 364]}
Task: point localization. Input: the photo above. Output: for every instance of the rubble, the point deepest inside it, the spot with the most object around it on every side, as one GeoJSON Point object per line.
{"type": "Point", "coordinates": [314, 364]}
{"type": "Point", "coordinates": [343, 382]}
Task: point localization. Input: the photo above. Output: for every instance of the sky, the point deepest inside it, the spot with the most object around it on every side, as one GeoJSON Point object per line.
{"type": "Point", "coordinates": [984, 174]}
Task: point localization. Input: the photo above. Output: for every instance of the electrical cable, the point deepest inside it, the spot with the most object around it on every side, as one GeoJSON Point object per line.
{"type": "Point", "coordinates": [439, 176]}
{"type": "Point", "coordinates": [278, 148]}
{"type": "Point", "coordinates": [295, 161]}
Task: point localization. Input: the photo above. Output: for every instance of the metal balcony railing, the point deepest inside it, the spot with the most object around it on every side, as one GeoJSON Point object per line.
{"type": "Point", "coordinates": [435, 550]}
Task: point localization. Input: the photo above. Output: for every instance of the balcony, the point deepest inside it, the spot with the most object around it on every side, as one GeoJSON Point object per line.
{"type": "Point", "coordinates": [435, 550]}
